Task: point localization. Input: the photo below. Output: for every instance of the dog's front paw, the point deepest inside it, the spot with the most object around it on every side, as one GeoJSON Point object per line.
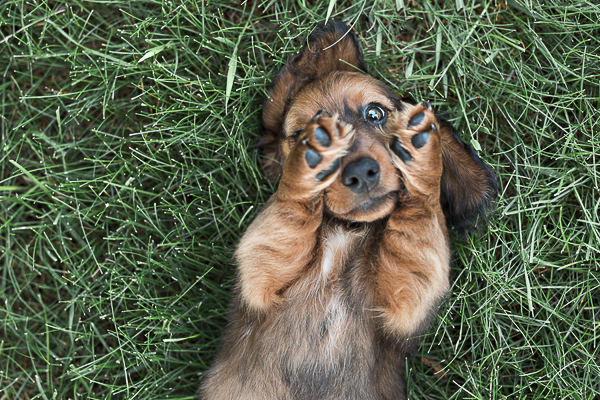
{"type": "Point", "coordinates": [314, 162]}
{"type": "Point", "coordinates": [416, 144]}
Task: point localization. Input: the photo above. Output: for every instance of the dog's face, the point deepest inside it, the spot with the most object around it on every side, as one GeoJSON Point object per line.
{"type": "Point", "coordinates": [367, 187]}
{"type": "Point", "coordinates": [333, 81]}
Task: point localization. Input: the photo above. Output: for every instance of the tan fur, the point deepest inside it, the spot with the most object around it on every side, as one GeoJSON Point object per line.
{"type": "Point", "coordinates": [413, 263]}
{"type": "Point", "coordinates": [266, 265]}
{"type": "Point", "coordinates": [335, 284]}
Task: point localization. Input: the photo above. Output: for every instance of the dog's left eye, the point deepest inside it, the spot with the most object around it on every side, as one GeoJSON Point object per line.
{"type": "Point", "coordinates": [375, 113]}
{"type": "Point", "coordinates": [296, 135]}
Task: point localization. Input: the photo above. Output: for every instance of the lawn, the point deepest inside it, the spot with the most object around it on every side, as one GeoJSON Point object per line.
{"type": "Point", "coordinates": [129, 170]}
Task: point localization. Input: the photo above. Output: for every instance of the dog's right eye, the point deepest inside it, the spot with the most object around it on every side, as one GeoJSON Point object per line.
{"type": "Point", "coordinates": [375, 114]}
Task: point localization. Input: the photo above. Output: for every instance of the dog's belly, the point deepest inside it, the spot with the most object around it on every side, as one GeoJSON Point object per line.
{"type": "Point", "coordinates": [321, 342]}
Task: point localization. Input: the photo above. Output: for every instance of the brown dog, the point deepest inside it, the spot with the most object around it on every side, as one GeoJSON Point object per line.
{"type": "Point", "coordinates": [349, 259]}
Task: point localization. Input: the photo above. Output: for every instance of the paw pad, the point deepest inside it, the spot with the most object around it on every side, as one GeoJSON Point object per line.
{"type": "Point", "coordinates": [401, 151]}
{"type": "Point", "coordinates": [420, 140]}
{"type": "Point", "coordinates": [312, 158]}
{"type": "Point", "coordinates": [322, 137]}
{"type": "Point", "coordinates": [416, 120]}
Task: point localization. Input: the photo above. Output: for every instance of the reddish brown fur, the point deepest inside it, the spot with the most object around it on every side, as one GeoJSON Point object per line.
{"type": "Point", "coordinates": [335, 284]}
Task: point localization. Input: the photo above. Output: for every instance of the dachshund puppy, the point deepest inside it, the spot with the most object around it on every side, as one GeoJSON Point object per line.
{"type": "Point", "coordinates": [346, 265]}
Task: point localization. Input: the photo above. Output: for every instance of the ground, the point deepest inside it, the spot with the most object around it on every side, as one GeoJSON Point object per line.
{"type": "Point", "coordinates": [129, 170]}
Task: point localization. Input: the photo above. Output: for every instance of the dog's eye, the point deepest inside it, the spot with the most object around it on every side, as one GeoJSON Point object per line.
{"type": "Point", "coordinates": [295, 136]}
{"type": "Point", "coordinates": [375, 113]}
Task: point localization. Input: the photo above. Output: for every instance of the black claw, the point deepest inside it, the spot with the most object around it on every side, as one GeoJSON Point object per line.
{"type": "Point", "coordinates": [427, 105]}
{"type": "Point", "coordinates": [326, 172]}
{"type": "Point", "coordinates": [401, 151]}
{"type": "Point", "coordinates": [420, 140]}
{"type": "Point", "coordinates": [312, 158]}
{"type": "Point", "coordinates": [433, 128]}
{"type": "Point", "coordinates": [322, 137]}
{"type": "Point", "coordinates": [416, 120]}
{"type": "Point", "coordinates": [318, 115]}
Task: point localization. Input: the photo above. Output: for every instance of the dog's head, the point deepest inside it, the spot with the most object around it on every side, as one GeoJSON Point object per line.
{"type": "Point", "coordinates": [329, 74]}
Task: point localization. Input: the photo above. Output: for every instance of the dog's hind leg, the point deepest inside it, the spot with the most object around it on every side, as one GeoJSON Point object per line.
{"type": "Point", "coordinates": [280, 242]}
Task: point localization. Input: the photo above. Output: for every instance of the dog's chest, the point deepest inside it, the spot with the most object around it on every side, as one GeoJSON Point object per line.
{"type": "Point", "coordinates": [327, 287]}
{"type": "Point", "coordinates": [328, 296]}
{"type": "Point", "coordinates": [337, 245]}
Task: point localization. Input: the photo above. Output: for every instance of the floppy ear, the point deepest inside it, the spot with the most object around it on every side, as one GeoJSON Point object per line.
{"type": "Point", "coordinates": [468, 185]}
{"type": "Point", "coordinates": [316, 58]}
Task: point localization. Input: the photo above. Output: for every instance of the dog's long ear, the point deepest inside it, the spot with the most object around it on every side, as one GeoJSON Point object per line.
{"type": "Point", "coordinates": [468, 185]}
{"type": "Point", "coordinates": [318, 57]}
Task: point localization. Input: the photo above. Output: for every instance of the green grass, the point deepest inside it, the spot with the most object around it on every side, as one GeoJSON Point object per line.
{"type": "Point", "coordinates": [128, 171]}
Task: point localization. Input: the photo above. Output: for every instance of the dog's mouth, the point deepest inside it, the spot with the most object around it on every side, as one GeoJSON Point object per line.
{"type": "Point", "coordinates": [374, 203]}
{"type": "Point", "coordinates": [370, 210]}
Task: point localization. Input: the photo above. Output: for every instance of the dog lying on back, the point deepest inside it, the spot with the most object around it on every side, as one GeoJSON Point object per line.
{"type": "Point", "coordinates": [348, 261]}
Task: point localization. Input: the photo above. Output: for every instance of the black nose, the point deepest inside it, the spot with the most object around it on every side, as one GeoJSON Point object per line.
{"type": "Point", "coordinates": [361, 176]}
